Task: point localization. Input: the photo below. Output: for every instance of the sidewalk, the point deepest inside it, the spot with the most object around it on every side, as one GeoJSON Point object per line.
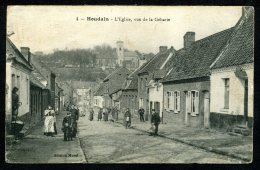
{"type": "Point", "coordinates": [240, 147]}
{"type": "Point", "coordinates": [38, 148]}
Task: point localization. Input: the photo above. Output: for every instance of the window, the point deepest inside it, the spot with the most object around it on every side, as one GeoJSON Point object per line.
{"type": "Point", "coordinates": [13, 81]}
{"type": "Point", "coordinates": [226, 94]}
{"type": "Point", "coordinates": [176, 98]}
{"type": "Point", "coordinates": [168, 100]}
{"type": "Point", "coordinates": [194, 103]}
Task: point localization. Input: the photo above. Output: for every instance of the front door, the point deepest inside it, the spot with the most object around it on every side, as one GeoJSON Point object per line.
{"type": "Point", "coordinates": [157, 107]}
{"type": "Point", "coordinates": [150, 109]}
{"type": "Point", "coordinates": [206, 110]}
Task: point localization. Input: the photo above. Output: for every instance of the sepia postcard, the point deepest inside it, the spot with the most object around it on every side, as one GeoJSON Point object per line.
{"type": "Point", "coordinates": [129, 84]}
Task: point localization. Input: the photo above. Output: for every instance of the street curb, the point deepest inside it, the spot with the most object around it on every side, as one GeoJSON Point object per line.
{"type": "Point", "coordinates": [210, 149]}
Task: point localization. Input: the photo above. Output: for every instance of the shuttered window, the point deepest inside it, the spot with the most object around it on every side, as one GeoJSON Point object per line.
{"type": "Point", "coordinates": [176, 101]}
{"type": "Point", "coordinates": [194, 102]}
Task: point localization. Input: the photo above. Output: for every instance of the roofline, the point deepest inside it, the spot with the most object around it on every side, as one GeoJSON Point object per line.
{"type": "Point", "coordinates": [236, 28]}
{"type": "Point", "coordinates": [19, 53]}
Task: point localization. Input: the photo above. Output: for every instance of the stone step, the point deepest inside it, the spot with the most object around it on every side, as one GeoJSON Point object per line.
{"type": "Point", "coordinates": [242, 126]}
{"type": "Point", "coordinates": [241, 131]}
{"type": "Point", "coordinates": [234, 134]}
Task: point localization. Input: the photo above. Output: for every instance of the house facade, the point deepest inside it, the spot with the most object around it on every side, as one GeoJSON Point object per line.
{"type": "Point", "coordinates": [232, 78]}
{"type": "Point", "coordinates": [129, 97]}
{"type": "Point", "coordinates": [98, 97]}
{"type": "Point", "coordinates": [186, 89]}
{"type": "Point", "coordinates": [145, 75]}
{"type": "Point", "coordinates": [18, 70]}
{"type": "Point", "coordinates": [112, 85]}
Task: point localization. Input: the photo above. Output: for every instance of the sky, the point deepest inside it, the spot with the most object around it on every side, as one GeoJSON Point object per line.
{"type": "Point", "coordinates": [45, 28]}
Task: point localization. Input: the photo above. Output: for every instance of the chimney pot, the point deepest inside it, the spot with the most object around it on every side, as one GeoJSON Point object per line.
{"type": "Point", "coordinates": [26, 53]}
{"type": "Point", "coordinates": [188, 38]}
{"type": "Point", "coordinates": [163, 48]}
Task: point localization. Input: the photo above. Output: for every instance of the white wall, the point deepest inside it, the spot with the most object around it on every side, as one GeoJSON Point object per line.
{"type": "Point", "coordinates": [24, 89]}
{"type": "Point", "coordinates": [156, 96]}
{"type": "Point", "coordinates": [236, 100]}
{"type": "Point", "coordinates": [100, 101]}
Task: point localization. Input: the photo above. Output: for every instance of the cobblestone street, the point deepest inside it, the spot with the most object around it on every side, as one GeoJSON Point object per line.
{"type": "Point", "coordinates": [108, 142]}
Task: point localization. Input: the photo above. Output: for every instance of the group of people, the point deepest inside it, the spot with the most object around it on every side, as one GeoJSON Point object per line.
{"type": "Point", "coordinates": [106, 113]}
{"type": "Point", "coordinates": [69, 123]}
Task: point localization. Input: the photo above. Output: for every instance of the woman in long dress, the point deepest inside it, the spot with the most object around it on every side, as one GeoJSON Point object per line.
{"type": "Point", "coordinates": [49, 122]}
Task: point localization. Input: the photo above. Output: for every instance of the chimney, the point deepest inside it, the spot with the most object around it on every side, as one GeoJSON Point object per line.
{"type": "Point", "coordinates": [162, 48]}
{"type": "Point", "coordinates": [26, 53]}
{"type": "Point", "coordinates": [188, 38]}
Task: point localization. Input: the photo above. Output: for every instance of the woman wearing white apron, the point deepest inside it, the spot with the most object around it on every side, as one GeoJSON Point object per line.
{"type": "Point", "coordinates": [49, 122]}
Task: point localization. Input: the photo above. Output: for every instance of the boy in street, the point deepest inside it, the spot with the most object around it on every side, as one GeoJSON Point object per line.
{"type": "Point", "coordinates": [67, 127]}
{"type": "Point", "coordinates": [141, 113]}
{"type": "Point", "coordinates": [155, 120]}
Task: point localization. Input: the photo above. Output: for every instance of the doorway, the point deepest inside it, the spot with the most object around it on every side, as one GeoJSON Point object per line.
{"type": "Point", "coordinates": [206, 109]}
{"type": "Point", "coordinates": [157, 107]}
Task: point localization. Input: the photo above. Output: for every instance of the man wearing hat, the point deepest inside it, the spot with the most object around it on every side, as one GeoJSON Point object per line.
{"type": "Point", "coordinates": [155, 120]}
{"type": "Point", "coordinates": [67, 127]}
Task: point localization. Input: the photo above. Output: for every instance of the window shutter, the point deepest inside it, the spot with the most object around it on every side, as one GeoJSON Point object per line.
{"type": "Point", "coordinates": [179, 101]}
{"type": "Point", "coordinates": [174, 100]}
{"type": "Point", "coordinates": [197, 102]}
{"type": "Point", "coordinates": [171, 101]}
{"type": "Point", "coordinates": [165, 100]}
{"type": "Point", "coordinates": [188, 102]}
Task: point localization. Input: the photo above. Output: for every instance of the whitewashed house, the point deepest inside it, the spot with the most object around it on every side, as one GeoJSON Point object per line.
{"type": "Point", "coordinates": [156, 98]}
{"type": "Point", "coordinates": [18, 70]}
{"type": "Point", "coordinates": [232, 77]}
{"type": "Point", "coordinates": [98, 97]}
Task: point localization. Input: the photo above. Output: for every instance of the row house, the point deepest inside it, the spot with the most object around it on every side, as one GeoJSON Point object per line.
{"type": "Point", "coordinates": [58, 98]}
{"type": "Point", "coordinates": [18, 70]}
{"type": "Point", "coordinates": [156, 98]}
{"type": "Point", "coordinates": [110, 90]}
{"type": "Point", "coordinates": [49, 76]}
{"type": "Point", "coordinates": [129, 95]}
{"type": "Point", "coordinates": [113, 86]}
{"type": "Point", "coordinates": [98, 97]}
{"type": "Point", "coordinates": [34, 93]}
{"type": "Point", "coordinates": [186, 87]}
{"type": "Point", "coordinates": [232, 78]}
{"type": "Point", "coordinates": [145, 75]}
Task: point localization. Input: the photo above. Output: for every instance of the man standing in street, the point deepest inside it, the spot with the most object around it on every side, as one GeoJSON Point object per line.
{"type": "Point", "coordinates": [155, 121]}
{"type": "Point", "coordinates": [141, 113]}
{"type": "Point", "coordinates": [75, 117]}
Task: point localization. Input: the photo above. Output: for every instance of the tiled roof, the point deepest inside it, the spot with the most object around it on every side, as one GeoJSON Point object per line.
{"type": "Point", "coordinates": [12, 49]}
{"type": "Point", "coordinates": [100, 90]}
{"type": "Point", "coordinates": [37, 78]}
{"type": "Point", "coordinates": [195, 61]}
{"type": "Point", "coordinates": [240, 49]}
{"type": "Point", "coordinates": [117, 71]}
{"type": "Point", "coordinates": [155, 63]}
{"type": "Point", "coordinates": [133, 78]}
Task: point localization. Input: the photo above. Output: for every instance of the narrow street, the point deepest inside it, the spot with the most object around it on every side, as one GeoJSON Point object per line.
{"type": "Point", "coordinates": [108, 142]}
